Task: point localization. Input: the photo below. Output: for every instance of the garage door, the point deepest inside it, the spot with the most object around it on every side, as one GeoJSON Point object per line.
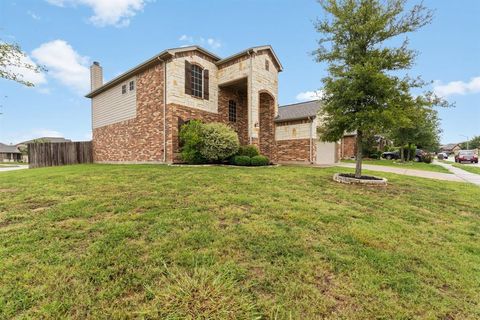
{"type": "Point", "coordinates": [326, 152]}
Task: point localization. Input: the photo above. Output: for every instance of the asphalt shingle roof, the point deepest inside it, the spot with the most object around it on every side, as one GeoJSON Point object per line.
{"type": "Point", "coordinates": [449, 146]}
{"type": "Point", "coordinates": [298, 111]}
{"type": "Point", "coordinates": [5, 148]}
{"type": "Point", "coordinates": [47, 139]}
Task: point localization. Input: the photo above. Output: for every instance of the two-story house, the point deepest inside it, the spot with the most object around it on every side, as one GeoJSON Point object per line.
{"type": "Point", "coordinates": [136, 117]}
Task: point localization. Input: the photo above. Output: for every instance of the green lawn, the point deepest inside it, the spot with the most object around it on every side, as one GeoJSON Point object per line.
{"type": "Point", "coordinates": [163, 242]}
{"type": "Point", "coordinates": [406, 165]}
{"type": "Point", "coordinates": [466, 167]}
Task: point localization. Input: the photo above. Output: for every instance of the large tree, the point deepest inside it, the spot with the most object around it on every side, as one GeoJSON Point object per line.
{"type": "Point", "coordinates": [365, 91]}
{"type": "Point", "coordinates": [12, 62]}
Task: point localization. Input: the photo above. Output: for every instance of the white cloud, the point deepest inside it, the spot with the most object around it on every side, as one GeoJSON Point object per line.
{"type": "Point", "coordinates": [184, 37]}
{"type": "Point", "coordinates": [37, 78]}
{"type": "Point", "coordinates": [212, 43]}
{"type": "Point", "coordinates": [309, 95]}
{"type": "Point", "coordinates": [107, 12]}
{"type": "Point", "coordinates": [33, 15]}
{"type": "Point", "coordinates": [457, 87]}
{"type": "Point", "coordinates": [64, 64]}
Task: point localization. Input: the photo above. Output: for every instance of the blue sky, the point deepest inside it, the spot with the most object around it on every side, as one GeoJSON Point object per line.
{"type": "Point", "coordinates": [67, 35]}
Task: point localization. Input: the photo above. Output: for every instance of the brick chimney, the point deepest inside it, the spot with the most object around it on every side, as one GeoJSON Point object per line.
{"type": "Point", "coordinates": [96, 76]}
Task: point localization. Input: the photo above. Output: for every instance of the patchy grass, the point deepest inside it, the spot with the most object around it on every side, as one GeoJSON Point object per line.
{"type": "Point", "coordinates": [406, 165]}
{"type": "Point", "coordinates": [470, 168]}
{"type": "Point", "coordinates": [146, 241]}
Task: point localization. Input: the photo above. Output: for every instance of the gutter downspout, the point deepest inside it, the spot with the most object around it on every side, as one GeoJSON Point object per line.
{"type": "Point", "coordinates": [164, 109]}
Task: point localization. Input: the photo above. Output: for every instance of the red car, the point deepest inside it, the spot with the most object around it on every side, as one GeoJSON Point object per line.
{"type": "Point", "coordinates": [466, 156]}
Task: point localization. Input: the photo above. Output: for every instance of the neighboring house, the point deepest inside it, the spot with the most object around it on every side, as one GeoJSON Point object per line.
{"type": "Point", "coordinates": [451, 148]}
{"type": "Point", "coordinates": [136, 117]}
{"type": "Point", "coordinates": [9, 153]}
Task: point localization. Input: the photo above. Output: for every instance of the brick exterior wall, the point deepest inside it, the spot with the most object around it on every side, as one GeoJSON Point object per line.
{"type": "Point", "coordinates": [139, 139]}
{"type": "Point", "coordinates": [267, 141]}
{"type": "Point", "coordinates": [296, 150]}
{"type": "Point", "coordinates": [348, 148]}
{"type": "Point", "coordinates": [241, 126]}
{"type": "Point", "coordinates": [176, 115]}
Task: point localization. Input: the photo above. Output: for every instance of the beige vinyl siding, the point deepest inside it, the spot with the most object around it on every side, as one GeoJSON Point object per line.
{"type": "Point", "coordinates": [112, 106]}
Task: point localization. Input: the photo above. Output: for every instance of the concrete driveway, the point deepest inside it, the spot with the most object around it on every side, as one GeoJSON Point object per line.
{"type": "Point", "coordinates": [13, 167]}
{"type": "Point", "coordinates": [462, 174]}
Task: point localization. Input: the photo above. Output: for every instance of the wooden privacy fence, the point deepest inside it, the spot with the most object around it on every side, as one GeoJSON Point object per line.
{"type": "Point", "coordinates": [59, 154]}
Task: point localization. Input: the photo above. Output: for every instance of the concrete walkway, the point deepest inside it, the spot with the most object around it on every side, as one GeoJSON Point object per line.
{"type": "Point", "coordinates": [462, 174]}
{"type": "Point", "coordinates": [12, 168]}
{"type": "Point", "coordinates": [408, 172]}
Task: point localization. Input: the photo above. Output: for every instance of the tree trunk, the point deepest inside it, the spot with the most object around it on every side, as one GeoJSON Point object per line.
{"type": "Point", "coordinates": [402, 154]}
{"type": "Point", "coordinates": [358, 160]}
{"type": "Point", "coordinates": [409, 156]}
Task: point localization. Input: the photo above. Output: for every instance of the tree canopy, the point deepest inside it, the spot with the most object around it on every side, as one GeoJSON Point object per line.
{"type": "Point", "coordinates": [12, 59]}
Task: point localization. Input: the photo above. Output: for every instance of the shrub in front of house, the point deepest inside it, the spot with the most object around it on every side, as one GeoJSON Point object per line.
{"type": "Point", "coordinates": [191, 140]}
{"type": "Point", "coordinates": [211, 142]}
{"type": "Point", "coordinates": [241, 160]}
{"type": "Point", "coordinates": [219, 143]}
{"type": "Point", "coordinates": [259, 161]}
{"type": "Point", "coordinates": [248, 150]}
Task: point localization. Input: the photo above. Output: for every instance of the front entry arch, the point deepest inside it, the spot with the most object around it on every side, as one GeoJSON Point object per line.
{"type": "Point", "coordinates": [266, 125]}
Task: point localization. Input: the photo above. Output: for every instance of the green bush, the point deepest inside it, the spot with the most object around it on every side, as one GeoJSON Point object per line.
{"type": "Point", "coordinates": [191, 139]}
{"type": "Point", "coordinates": [259, 161]}
{"type": "Point", "coordinates": [219, 143]}
{"type": "Point", "coordinates": [241, 160]}
{"type": "Point", "coordinates": [212, 142]}
{"type": "Point", "coordinates": [248, 150]}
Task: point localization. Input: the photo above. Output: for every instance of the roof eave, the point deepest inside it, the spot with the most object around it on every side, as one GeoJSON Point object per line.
{"type": "Point", "coordinates": [311, 117]}
{"type": "Point", "coordinates": [161, 56]}
{"type": "Point", "coordinates": [253, 49]}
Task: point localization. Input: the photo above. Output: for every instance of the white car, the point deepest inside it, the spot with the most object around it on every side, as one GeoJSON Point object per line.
{"type": "Point", "coordinates": [444, 154]}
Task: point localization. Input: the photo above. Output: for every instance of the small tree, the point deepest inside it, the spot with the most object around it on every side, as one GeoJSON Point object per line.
{"type": "Point", "coordinates": [13, 58]}
{"type": "Point", "coordinates": [474, 143]}
{"type": "Point", "coordinates": [420, 126]}
{"type": "Point", "coordinates": [363, 92]}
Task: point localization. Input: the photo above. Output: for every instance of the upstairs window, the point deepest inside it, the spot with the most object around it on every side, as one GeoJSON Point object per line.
{"type": "Point", "coordinates": [132, 85]}
{"type": "Point", "coordinates": [267, 65]}
{"type": "Point", "coordinates": [124, 89]}
{"type": "Point", "coordinates": [232, 111]}
{"type": "Point", "coordinates": [196, 81]}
